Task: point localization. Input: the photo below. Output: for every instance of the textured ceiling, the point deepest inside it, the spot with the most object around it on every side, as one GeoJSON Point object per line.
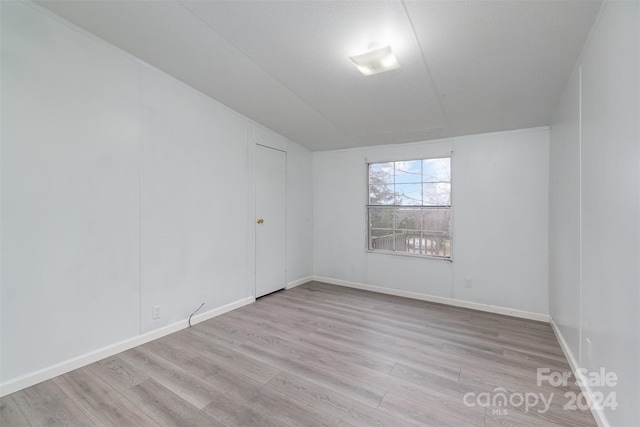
{"type": "Point", "coordinates": [466, 67]}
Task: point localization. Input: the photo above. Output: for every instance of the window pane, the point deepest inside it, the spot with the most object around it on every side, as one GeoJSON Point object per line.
{"type": "Point", "coordinates": [408, 219]}
{"type": "Point", "coordinates": [408, 222]}
{"type": "Point", "coordinates": [381, 173]}
{"type": "Point", "coordinates": [381, 221]}
{"type": "Point", "coordinates": [437, 194]}
{"type": "Point", "coordinates": [408, 194]}
{"type": "Point", "coordinates": [408, 172]}
{"type": "Point", "coordinates": [436, 221]}
{"type": "Point", "coordinates": [381, 234]}
{"type": "Point", "coordinates": [381, 184]}
{"type": "Point", "coordinates": [436, 170]}
{"type": "Point", "coordinates": [435, 233]}
{"type": "Point", "coordinates": [381, 194]}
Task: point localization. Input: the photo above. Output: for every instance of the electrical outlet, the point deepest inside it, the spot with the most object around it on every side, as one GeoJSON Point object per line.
{"type": "Point", "coordinates": [353, 267]}
{"type": "Point", "coordinates": [467, 282]}
{"type": "Point", "coordinates": [156, 312]}
{"type": "Point", "coordinates": [587, 350]}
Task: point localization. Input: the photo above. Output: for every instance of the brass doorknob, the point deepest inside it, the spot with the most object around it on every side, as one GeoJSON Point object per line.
{"type": "Point", "coordinates": [260, 220]}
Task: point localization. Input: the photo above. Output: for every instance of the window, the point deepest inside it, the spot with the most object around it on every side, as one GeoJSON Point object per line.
{"type": "Point", "coordinates": [409, 209]}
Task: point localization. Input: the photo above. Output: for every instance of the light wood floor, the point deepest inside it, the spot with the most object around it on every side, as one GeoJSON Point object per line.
{"type": "Point", "coordinates": [316, 355]}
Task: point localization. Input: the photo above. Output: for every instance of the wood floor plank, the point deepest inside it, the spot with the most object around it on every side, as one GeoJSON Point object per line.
{"type": "Point", "coordinates": [117, 373]}
{"type": "Point", "coordinates": [313, 348]}
{"type": "Point", "coordinates": [391, 353]}
{"type": "Point", "coordinates": [501, 418]}
{"type": "Point", "coordinates": [395, 328]}
{"type": "Point", "coordinates": [536, 348]}
{"type": "Point", "coordinates": [174, 353]}
{"type": "Point", "coordinates": [100, 402]}
{"type": "Point", "coordinates": [522, 365]}
{"type": "Point", "coordinates": [526, 359]}
{"type": "Point", "coordinates": [45, 404]}
{"type": "Point", "coordinates": [173, 377]}
{"type": "Point", "coordinates": [317, 355]}
{"type": "Point", "coordinates": [371, 396]}
{"type": "Point", "coordinates": [513, 323]}
{"type": "Point", "coordinates": [289, 410]}
{"type": "Point", "coordinates": [222, 377]}
{"type": "Point", "coordinates": [313, 352]}
{"type": "Point", "coordinates": [195, 345]}
{"type": "Point", "coordinates": [167, 408]}
{"type": "Point", "coordinates": [252, 392]}
{"type": "Point", "coordinates": [358, 316]}
{"type": "Point", "coordinates": [209, 331]}
{"type": "Point", "coordinates": [509, 381]}
{"type": "Point", "coordinates": [428, 414]}
{"type": "Point", "coordinates": [333, 403]}
{"type": "Point", "coordinates": [429, 381]}
{"type": "Point", "coordinates": [340, 324]}
{"type": "Point", "coordinates": [233, 412]}
{"type": "Point", "coordinates": [483, 352]}
{"type": "Point", "coordinates": [402, 321]}
{"type": "Point", "coordinates": [11, 414]}
{"type": "Point", "coordinates": [358, 357]}
{"type": "Point", "coordinates": [512, 416]}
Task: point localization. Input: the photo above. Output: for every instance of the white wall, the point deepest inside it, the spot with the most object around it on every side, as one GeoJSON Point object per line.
{"type": "Point", "coordinates": [122, 189]}
{"type": "Point", "coordinates": [596, 154]}
{"type": "Point", "coordinates": [564, 214]}
{"type": "Point", "coordinates": [501, 219]}
{"type": "Point", "coordinates": [299, 213]}
{"type": "Point", "coordinates": [70, 193]}
{"type": "Point", "coordinates": [194, 178]}
{"type": "Point", "coordinates": [500, 185]}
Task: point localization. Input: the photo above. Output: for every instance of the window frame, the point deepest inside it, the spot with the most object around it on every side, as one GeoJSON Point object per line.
{"type": "Point", "coordinates": [396, 206]}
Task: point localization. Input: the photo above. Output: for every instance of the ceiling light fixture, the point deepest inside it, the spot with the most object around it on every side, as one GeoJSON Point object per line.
{"type": "Point", "coordinates": [376, 60]}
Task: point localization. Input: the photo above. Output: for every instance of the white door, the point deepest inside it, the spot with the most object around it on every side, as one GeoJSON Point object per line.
{"type": "Point", "coordinates": [270, 220]}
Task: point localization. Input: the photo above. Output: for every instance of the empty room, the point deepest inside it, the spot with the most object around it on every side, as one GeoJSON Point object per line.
{"type": "Point", "coordinates": [319, 213]}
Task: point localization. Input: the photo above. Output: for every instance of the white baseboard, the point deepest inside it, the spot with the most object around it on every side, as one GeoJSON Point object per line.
{"type": "Point", "coordinates": [573, 363]}
{"type": "Point", "coordinates": [299, 282]}
{"type": "Point", "coordinates": [442, 300]}
{"type": "Point", "coordinates": [86, 359]}
{"type": "Point", "coordinates": [598, 414]}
